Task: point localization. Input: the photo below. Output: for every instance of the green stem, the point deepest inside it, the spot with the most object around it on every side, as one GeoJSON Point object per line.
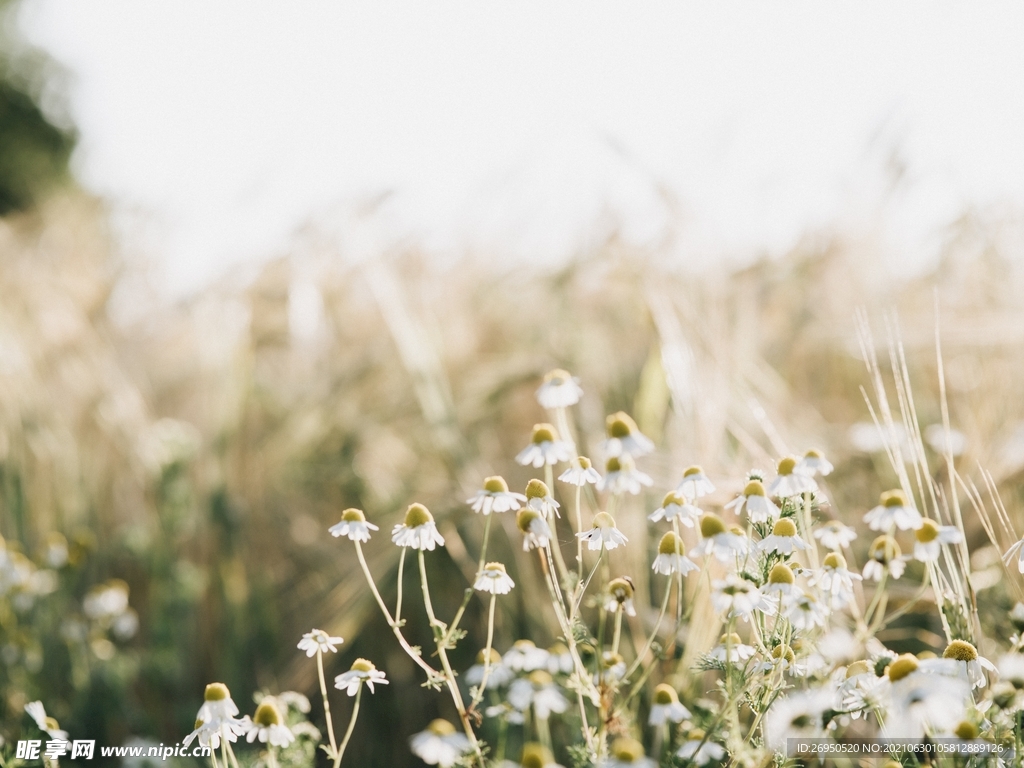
{"type": "Point", "coordinates": [654, 632]}
{"type": "Point", "coordinates": [487, 655]}
{"type": "Point", "coordinates": [401, 582]}
{"type": "Point", "coordinates": [579, 541]}
{"type": "Point", "coordinates": [618, 630]}
{"type": "Point", "coordinates": [327, 704]}
{"type": "Point", "coordinates": [351, 726]}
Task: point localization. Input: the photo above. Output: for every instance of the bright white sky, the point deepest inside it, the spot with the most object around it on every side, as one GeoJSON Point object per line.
{"type": "Point", "coordinates": [516, 126]}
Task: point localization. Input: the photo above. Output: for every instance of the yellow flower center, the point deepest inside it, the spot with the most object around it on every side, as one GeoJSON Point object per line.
{"type": "Point", "coordinates": [495, 567]}
{"type": "Point", "coordinates": [786, 466]}
{"type": "Point", "coordinates": [621, 589]}
{"type": "Point", "coordinates": [754, 488]}
{"type": "Point", "coordinates": [557, 376]}
{"type": "Point", "coordinates": [627, 750]}
{"type": "Point", "coordinates": [583, 462]}
{"type": "Point", "coordinates": [697, 734]}
{"type": "Point", "coordinates": [665, 694]}
{"type": "Point", "coordinates": [783, 652]}
{"type": "Point", "coordinates": [857, 668]}
{"type": "Point", "coordinates": [960, 650]}
{"type": "Point", "coordinates": [525, 517]}
{"type": "Point", "coordinates": [812, 454]}
{"type": "Point", "coordinates": [620, 425]}
{"type": "Point", "coordinates": [966, 730]}
{"type": "Point", "coordinates": [417, 515]}
{"type": "Point", "coordinates": [495, 484]}
{"type": "Point", "coordinates": [266, 715]}
{"type": "Point", "coordinates": [353, 515]}
{"type": "Point", "coordinates": [539, 678]}
{"type": "Point", "coordinates": [673, 498]}
{"type": "Point", "coordinates": [613, 465]}
{"type": "Point", "coordinates": [362, 665]}
{"type": "Point", "coordinates": [216, 692]}
{"type": "Point", "coordinates": [834, 560]}
{"type": "Point", "coordinates": [495, 657]}
{"type": "Point", "coordinates": [784, 527]}
{"type": "Point", "coordinates": [884, 549]}
{"type": "Point", "coordinates": [441, 727]}
{"type": "Point", "coordinates": [536, 756]}
{"type": "Point", "coordinates": [929, 531]}
{"type": "Point", "coordinates": [670, 545]}
{"type": "Point", "coordinates": [711, 525]}
{"type": "Point", "coordinates": [691, 471]}
{"type": "Point", "coordinates": [544, 433]}
{"type": "Point", "coordinates": [730, 639]}
{"type": "Point", "coordinates": [603, 520]}
{"type": "Point", "coordinates": [781, 574]}
{"type": "Point", "coordinates": [893, 499]}
{"type": "Point", "coordinates": [901, 667]}
{"type": "Point", "coordinates": [536, 489]}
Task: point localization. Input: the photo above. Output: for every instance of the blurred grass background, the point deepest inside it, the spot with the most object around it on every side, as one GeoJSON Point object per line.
{"type": "Point", "coordinates": [199, 450]}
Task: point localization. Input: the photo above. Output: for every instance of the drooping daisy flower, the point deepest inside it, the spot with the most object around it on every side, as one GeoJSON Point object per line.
{"type": "Point", "coordinates": [737, 597]}
{"type": "Point", "coordinates": [930, 536]}
{"type": "Point", "coordinates": [494, 579]}
{"type": "Point", "coordinates": [612, 669]}
{"type": "Point", "coordinates": [418, 531]}
{"type": "Point", "coordinates": [835, 581]}
{"type": "Point", "coordinates": [783, 539]}
{"type": "Point", "coordinates": [921, 703]}
{"type": "Point", "coordinates": [580, 473]}
{"type": "Point", "coordinates": [625, 437]}
{"type": "Point", "coordinates": [524, 656]}
{"type": "Point", "coordinates": [731, 649]}
{"type": "Point", "coordinates": [781, 584]}
{"type": "Point", "coordinates": [970, 665]}
{"type": "Point", "coordinates": [620, 596]}
{"type": "Point", "coordinates": [788, 482]}
{"type": "Point", "coordinates": [665, 707]}
{"type": "Point", "coordinates": [805, 612]}
{"type": "Point", "coordinates": [37, 712]}
{"type": "Point", "coordinates": [545, 448]}
{"type": "Point", "coordinates": [834, 535]}
{"type": "Point", "coordinates": [536, 532]}
{"type": "Point", "coordinates": [671, 558]}
{"type": "Point", "coordinates": [539, 691]}
{"type": "Point", "coordinates": [754, 499]}
{"type": "Point", "coordinates": [782, 657]}
{"type": "Point", "coordinates": [498, 673]}
{"type": "Point", "coordinates": [318, 640]}
{"type": "Point", "coordinates": [362, 671]}
{"type": "Point", "coordinates": [495, 497]}
{"type": "Point", "coordinates": [626, 753]}
{"type": "Point", "coordinates": [699, 749]}
{"type": "Point", "coordinates": [604, 534]}
{"type": "Point", "coordinates": [439, 744]}
{"type": "Point", "coordinates": [893, 510]}
{"type": "Point", "coordinates": [559, 390]}
{"type": "Point", "coordinates": [268, 726]}
{"type": "Point", "coordinates": [694, 484]}
{"type": "Point", "coordinates": [354, 525]}
{"type": "Point", "coordinates": [537, 756]}
{"type": "Point", "coordinates": [796, 716]}
{"type": "Point", "coordinates": [813, 463]}
{"type": "Point", "coordinates": [539, 498]}
{"type": "Point", "coordinates": [676, 507]}
{"type": "Point", "coordinates": [216, 718]}
{"type": "Point", "coordinates": [884, 555]}
{"type": "Point", "coordinates": [622, 476]}
{"type": "Point", "coordinates": [724, 544]}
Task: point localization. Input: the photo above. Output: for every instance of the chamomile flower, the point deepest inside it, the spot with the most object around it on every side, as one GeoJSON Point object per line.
{"type": "Point", "coordinates": [580, 472]}
{"type": "Point", "coordinates": [1011, 669]}
{"type": "Point", "coordinates": [835, 535]}
{"type": "Point", "coordinates": [494, 579]}
{"type": "Point", "coordinates": [559, 390]}
{"type": "Point", "coordinates": [418, 531]}
{"type": "Point", "coordinates": [796, 716]}
{"type": "Point", "coordinates": [788, 482]}
{"type": "Point", "coordinates": [754, 499]}
{"type": "Point", "coordinates": [536, 532]}
{"type": "Point", "coordinates": [700, 750]}
{"type": "Point", "coordinates": [731, 649]}
{"type": "Point", "coordinates": [538, 690]}
{"type": "Point", "coordinates": [354, 525]}
{"type": "Point", "coordinates": [734, 596]}
{"type": "Point", "coordinates": [318, 640]}
{"type": "Point", "coordinates": [835, 581]}
{"type": "Point", "coordinates": [783, 539]}
{"type": "Point", "coordinates": [216, 718]}
{"type": "Point", "coordinates": [620, 596]}
{"type": "Point", "coordinates": [813, 463]}
{"type": "Point", "coordinates": [805, 612]}
{"type": "Point", "coordinates": [781, 584]}
{"type": "Point", "coordinates": [559, 659]}
{"type": "Point", "coordinates": [671, 558]}
{"type": "Point", "coordinates": [930, 538]}
{"type": "Point", "coordinates": [37, 712]}
{"type": "Point", "coordinates": [604, 534]}
{"type": "Point", "coordinates": [498, 673]}
{"type": "Point", "coordinates": [861, 689]}
{"type": "Point", "coordinates": [676, 507]}
{"type": "Point", "coordinates": [268, 726]}
{"type": "Point", "coordinates": [536, 756]}
{"type": "Point", "coordinates": [781, 657]}
{"type": "Point", "coordinates": [694, 484]}
{"type": "Point", "coordinates": [439, 744]}
{"type": "Point", "coordinates": [613, 669]}
{"type": "Point", "coordinates": [495, 497]}
{"type": "Point", "coordinates": [622, 476]}
{"type": "Point", "coordinates": [884, 555]}
{"type": "Point", "coordinates": [362, 671]}
{"type": "Point", "coordinates": [625, 437]}
{"type": "Point", "coordinates": [665, 707]}
{"type": "Point", "coordinates": [724, 544]}
{"type": "Point", "coordinates": [539, 498]}
{"type": "Point", "coordinates": [545, 448]}
{"type": "Point", "coordinates": [921, 703]}
{"type": "Point", "coordinates": [970, 665]}
{"type": "Point", "coordinates": [524, 656]}
{"type": "Point", "coordinates": [893, 510]}
{"type": "Point", "coordinates": [626, 753]}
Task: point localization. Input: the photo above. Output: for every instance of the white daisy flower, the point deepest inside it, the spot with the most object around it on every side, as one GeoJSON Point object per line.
{"type": "Point", "coordinates": [626, 753]}
{"type": "Point", "coordinates": [580, 473]}
{"type": "Point", "coordinates": [782, 657]}
{"type": "Point", "coordinates": [698, 750]}
{"type": "Point", "coordinates": [1016, 550]}
{"type": "Point", "coordinates": [216, 718]}
{"type": "Point", "coordinates": [694, 484]}
{"type": "Point", "coordinates": [620, 595]}
{"type": "Point", "coordinates": [498, 673]}
{"type": "Point", "coordinates": [439, 744]}
{"type": "Point", "coordinates": [560, 659]}
{"type": "Point", "coordinates": [783, 538]}
{"type": "Point", "coordinates": [495, 497]}
{"type": "Point", "coordinates": [835, 581]}
{"type": "Point", "coordinates": [524, 656]}
{"type": "Point", "coordinates": [536, 532]}
{"type": "Point", "coordinates": [362, 671]}
{"type": "Point", "coordinates": [970, 665]}
{"type": "Point", "coordinates": [813, 463]}
{"type": "Point", "coordinates": [893, 510]}
{"type": "Point", "coordinates": [796, 716]}
{"type": "Point", "coordinates": [37, 712]}
{"type": "Point", "coordinates": [559, 390]}
{"type": "Point", "coordinates": [294, 700]}
{"type": "Point", "coordinates": [731, 648]}
{"type": "Point", "coordinates": [834, 535]}
{"type": "Point", "coordinates": [354, 525]}
{"type": "Point", "coordinates": [884, 555]}
{"type": "Point", "coordinates": [539, 498]}
{"type": "Point", "coordinates": [922, 703]}
{"type": "Point", "coordinates": [1011, 669]}
{"type": "Point", "coordinates": [418, 531]}
{"type": "Point", "coordinates": [545, 448]}
{"type": "Point", "coordinates": [210, 734]}
{"type": "Point", "coordinates": [737, 597]}
{"type": "Point", "coordinates": [726, 545]}
{"type": "Point", "coordinates": [805, 612]}
{"type": "Point", "coordinates": [861, 689]}
{"type": "Point", "coordinates": [494, 579]}
{"type": "Point", "coordinates": [676, 507]}
{"type": "Point", "coordinates": [671, 558]}
{"type": "Point", "coordinates": [622, 476]}
{"type": "Point", "coordinates": [930, 538]}
{"type": "Point", "coordinates": [267, 726]}
{"type": "Point", "coordinates": [781, 583]}
{"type": "Point", "coordinates": [539, 691]}
{"type": "Point", "coordinates": [625, 437]}
{"type": "Point", "coordinates": [534, 756]}
{"type": "Point", "coordinates": [613, 669]}
{"type": "Point", "coordinates": [760, 509]}
{"type": "Point", "coordinates": [604, 534]}
{"type": "Point", "coordinates": [318, 640]}
{"type": "Point", "coordinates": [788, 482]}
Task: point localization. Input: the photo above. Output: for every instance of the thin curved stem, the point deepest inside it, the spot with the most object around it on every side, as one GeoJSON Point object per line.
{"type": "Point", "coordinates": [351, 727]}
{"type": "Point", "coordinates": [487, 655]}
{"type": "Point", "coordinates": [327, 704]}
{"type": "Point", "coordinates": [401, 581]}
